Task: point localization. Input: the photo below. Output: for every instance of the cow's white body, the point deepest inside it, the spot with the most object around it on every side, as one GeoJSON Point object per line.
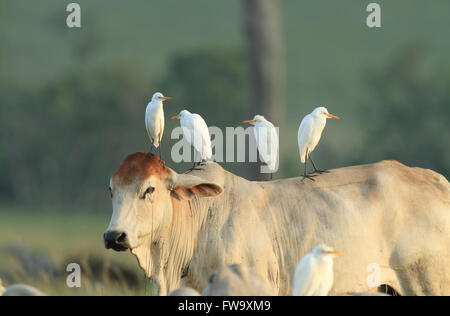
{"type": "Point", "coordinates": [384, 217]}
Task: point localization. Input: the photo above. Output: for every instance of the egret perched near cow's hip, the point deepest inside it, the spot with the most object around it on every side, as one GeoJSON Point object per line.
{"type": "Point", "coordinates": [154, 119]}
{"type": "Point", "coordinates": [314, 273]}
{"type": "Point", "coordinates": [196, 133]}
{"type": "Point", "coordinates": [266, 140]}
{"type": "Point", "coordinates": [309, 134]}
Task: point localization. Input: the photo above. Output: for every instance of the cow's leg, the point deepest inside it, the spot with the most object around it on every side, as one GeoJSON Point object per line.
{"type": "Point", "coordinates": [305, 175]}
{"type": "Point", "coordinates": [315, 169]}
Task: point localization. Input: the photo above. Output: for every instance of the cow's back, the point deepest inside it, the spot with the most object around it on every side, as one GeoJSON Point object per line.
{"type": "Point", "coordinates": [376, 214]}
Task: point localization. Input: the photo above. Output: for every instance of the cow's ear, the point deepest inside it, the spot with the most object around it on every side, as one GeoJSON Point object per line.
{"type": "Point", "coordinates": [185, 187]}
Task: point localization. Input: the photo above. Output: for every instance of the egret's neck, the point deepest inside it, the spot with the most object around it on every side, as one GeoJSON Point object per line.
{"type": "Point", "coordinates": [156, 104]}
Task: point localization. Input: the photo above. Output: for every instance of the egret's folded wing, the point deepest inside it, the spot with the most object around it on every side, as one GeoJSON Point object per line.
{"type": "Point", "coordinates": [304, 134]}
{"type": "Point", "coordinates": [202, 140]}
{"type": "Point", "coordinates": [305, 277]}
{"type": "Point", "coordinates": [274, 148]}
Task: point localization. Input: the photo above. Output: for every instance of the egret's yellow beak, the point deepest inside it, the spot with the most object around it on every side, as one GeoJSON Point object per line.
{"type": "Point", "coordinates": [249, 121]}
{"type": "Point", "coordinates": [165, 98]}
{"type": "Point", "coordinates": [333, 116]}
{"type": "Point", "coordinates": [175, 117]}
{"type": "Point", "coordinates": [336, 253]}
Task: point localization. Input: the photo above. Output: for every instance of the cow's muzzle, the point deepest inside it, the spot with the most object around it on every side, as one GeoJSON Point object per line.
{"type": "Point", "coordinates": [116, 240]}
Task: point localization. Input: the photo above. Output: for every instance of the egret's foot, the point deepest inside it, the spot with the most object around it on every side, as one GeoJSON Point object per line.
{"type": "Point", "coordinates": [309, 176]}
{"type": "Point", "coordinates": [193, 169]}
{"type": "Point", "coordinates": [321, 171]}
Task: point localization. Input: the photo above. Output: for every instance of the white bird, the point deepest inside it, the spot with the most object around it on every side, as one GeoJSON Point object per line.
{"type": "Point", "coordinates": [267, 141]}
{"type": "Point", "coordinates": [196, 133]}
{"type": "Point", "coordinates": [154, 119]}
{"type": "Point", "coordinates": [314, 273]}
{"type": "Point", "coordinates": [309, 134]}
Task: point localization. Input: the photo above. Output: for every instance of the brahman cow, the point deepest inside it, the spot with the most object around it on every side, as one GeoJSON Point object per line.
{"type": "Point", "coordinates": [392, 222]}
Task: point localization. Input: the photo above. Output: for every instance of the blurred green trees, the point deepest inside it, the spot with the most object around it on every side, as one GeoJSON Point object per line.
{"type": "Point", "coordinates": [408, 117]}
{"type": "Point", "coordinates": [61, 141]}
{"type": "Point", "coordinates": [210, 83]}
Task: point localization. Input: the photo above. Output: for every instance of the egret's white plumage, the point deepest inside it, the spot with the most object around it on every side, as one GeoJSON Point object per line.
{"type": "Point", "coordinates": [154, 118]}
{"type": "Point", "coordinates": [314, 273]}
{"type": "Point", "coordinates": [196, 133]}
{"type": "Point", "coordinates": [266, 140]}
{"type": "Point", "coordinates": [309, 134]}
{"type": "Point", "coordinates": [311, 129]}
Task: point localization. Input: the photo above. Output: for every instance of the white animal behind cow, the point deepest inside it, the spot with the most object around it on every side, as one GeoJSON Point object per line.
{"type": "Point", "coordinates": [180, 225]}
{"type": "Point", "coordinates": [21, 290]}
{"type": "Point", "coordinates": [184, 291]}
{"type": "Point", "coordinates": [236, 280]}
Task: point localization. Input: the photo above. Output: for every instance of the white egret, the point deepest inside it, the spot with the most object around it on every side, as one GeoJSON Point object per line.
{"type": "Point", "coordinates": [309, 134]}
{"type": "Point", "coordinates": [196, 133]}
{"type": "Point", "coordinates": [267, 141]}
{"type": "Point", "coordinates": [314, 273]}
{"type": "Point", "coordinates": [154, 119]}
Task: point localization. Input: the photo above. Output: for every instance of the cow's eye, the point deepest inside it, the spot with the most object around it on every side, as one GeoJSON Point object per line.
{"type": "Point", "coordinates": [110, 191]}
{"type": "Point", "coordinates": [150, 190]}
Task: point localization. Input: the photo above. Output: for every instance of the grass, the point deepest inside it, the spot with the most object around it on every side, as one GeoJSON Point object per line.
{"type": "Point", "coordinates": [32, 240]}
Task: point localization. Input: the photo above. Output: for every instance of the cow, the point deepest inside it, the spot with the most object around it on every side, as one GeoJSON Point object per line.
{"type": "Point", "coordinates": [392, 222]}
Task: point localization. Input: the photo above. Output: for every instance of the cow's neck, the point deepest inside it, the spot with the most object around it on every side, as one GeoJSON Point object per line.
{"type": "Point", "coordinates": [168, 257]}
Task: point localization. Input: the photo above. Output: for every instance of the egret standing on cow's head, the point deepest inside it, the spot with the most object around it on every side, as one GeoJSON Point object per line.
{"type": "Point", "coordinates": [309, 134]}
{"type": "Point", "coordinates": [196, 133]}
{"type": "Point", "coordinates": [314, 273]}
{"type": "Point", "coordinates": [154, 119]}
{"type": "Point", "coordinates": [266, 140]}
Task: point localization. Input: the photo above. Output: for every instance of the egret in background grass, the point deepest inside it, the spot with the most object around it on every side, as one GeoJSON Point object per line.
{"type": "Point", "coordinates": [309, 134]}
{"type": "Point", "coordinates": [154, 119]}
{"type": "Point", "coordinates": [314, 273]}
{"type": "Point", "coordinates": [196, 133]}
{"type": "Point", "coordinates": [267, 141]}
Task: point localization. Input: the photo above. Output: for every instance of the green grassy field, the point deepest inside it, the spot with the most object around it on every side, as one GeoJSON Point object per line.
{"type": "Point", "coordinates": [61, 238]}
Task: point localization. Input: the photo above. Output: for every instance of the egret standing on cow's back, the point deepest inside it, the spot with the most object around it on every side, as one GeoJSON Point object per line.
{"type": "Point", "coordinates": [196, 133]}
{"type": "Point", "coordinates": [154, 119]}
{"type": "Point", "coordinates": [309, 134]}
{"type": "Point", "coordinates": [314, 273]}
{"type": "Point", "coordinates": [266, 140]}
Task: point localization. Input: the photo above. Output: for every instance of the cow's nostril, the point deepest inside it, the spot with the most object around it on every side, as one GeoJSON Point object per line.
{"type": "Point", "coordinates": [116, 240]}
{"type": "Point", "coordinates": [121, 239]}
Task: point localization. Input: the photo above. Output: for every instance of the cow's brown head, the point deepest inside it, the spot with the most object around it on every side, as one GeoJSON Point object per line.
{"type": "Point", "coordinates": [143, 192]}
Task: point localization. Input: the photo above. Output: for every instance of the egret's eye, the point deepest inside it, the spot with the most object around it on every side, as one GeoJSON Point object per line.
{"type": "Point", "coordinates": [110, 191]}
{"type": "Point", "coordinates": [150, 190]}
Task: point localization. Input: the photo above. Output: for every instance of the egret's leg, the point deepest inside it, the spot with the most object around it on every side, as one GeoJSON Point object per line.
{"type": "Point", "coordinates": [194, 167]}
{"type": "Point", "coordinates": [315, 169]}
{"type": "Point", "coordinates": [151, 147]}
{"type": "Point", "coordinates": [305, 175]}
{"type": "Point", "coordinates": [160, 153]}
